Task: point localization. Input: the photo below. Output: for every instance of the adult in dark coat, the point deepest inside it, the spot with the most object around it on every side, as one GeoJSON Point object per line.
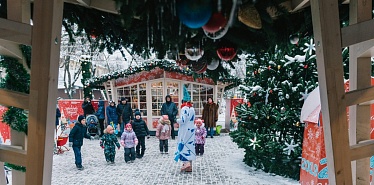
{"type": "Point", "coordinates": [76, 136]}
{"type": "Point", "coordinates": [124, 109]}
{"type": "Point", "coordinates": [170, 108]}
{"type": "Point", "coordinates": [87, 107]}
{"type": "Point", "coordinates": [100, 114]}
{"type": "Point", "coordinates": [111, 114]}
{"type": "Point", "coordinates": [58, 115]}
{"type": "Point", "coordinates": [141, 130]}
{"type": "Point", "coordinates": [210, 116]}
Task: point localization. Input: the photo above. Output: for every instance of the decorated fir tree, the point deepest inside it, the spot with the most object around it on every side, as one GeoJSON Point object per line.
{"type": "Point", "coordinates": [276, 86]}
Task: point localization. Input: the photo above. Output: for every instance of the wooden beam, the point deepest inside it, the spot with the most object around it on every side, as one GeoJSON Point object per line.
{"type": "Point", "coordinates": [85, 2]}
{"type": "Point", "coordinates": [359, 96]}
{"type": "Point", "coordinates": [102, 5]}
{"type": "Point", "coordinates": [362, 150]}
{"type": "Point", "coordinates": [298, 4]}
{"type": "Point", "coordinates": [15, 31]}
{"type": "Point", "coordinates": [326, 28]}
{"type": "Point", "coordinates": [13, 155]}
{"type": "Point", "coordinates": [10, 49]}
{"type": "Point", "coordinates": [357, 33]}
{"type": "Point", "coordinates": [46, 39]}
{"type": "Point", "coordinates": [15, 99]}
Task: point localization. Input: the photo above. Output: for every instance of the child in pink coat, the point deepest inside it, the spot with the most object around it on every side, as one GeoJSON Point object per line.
{"type": "Point", "coordinates": [163, 132]}
{"type": "Point", "coordinates": [200, 135]}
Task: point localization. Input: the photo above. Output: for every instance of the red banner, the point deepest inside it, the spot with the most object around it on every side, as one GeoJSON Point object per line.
{"type": "Point", "coordinates": [71, 109]}
{"type": "Point", "coordinates": [4, 128]}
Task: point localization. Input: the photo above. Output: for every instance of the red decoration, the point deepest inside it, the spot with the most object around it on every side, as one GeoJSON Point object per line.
{"type": "Point", "coordinates": [199, 66]}
{"type": "Point", "coordinates": [215, 23]}
{"type": "Point", "coordinates": [269, 67]}
{"type": "Point", "coordinates": [306, 66]}
{"type": "Point", "coordinates": [226, 53]}
{"type": "Point", "coordinates": [93, 34]}
{"type": "Point", "coordinates": [271, 91]}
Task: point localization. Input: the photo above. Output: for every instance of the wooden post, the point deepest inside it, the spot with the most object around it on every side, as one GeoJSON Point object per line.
{"type": "Point", "coordinates": [359, 77]}
{"type": "Point", "coordinates": [46, 37]}
{"type": "Point", "coordinates": [326, 26]}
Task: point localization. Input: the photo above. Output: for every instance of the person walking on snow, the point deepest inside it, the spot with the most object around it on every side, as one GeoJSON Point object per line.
{"type": "Point", "coordinates": [87, 107]}
{"type": "Point", "coordinates": [163, 133]}
{"type": "Point", "coordinates": [200, 135]}
{"type": "Point", "coordinates": [100, 114]}
{"type": "Point", "coordinates": [129, 141]}
{"type": "Point", "coordinates": [141, 130]}
{"type": "Point", "coordinates": [186, 137]}
{"type": "Point", "coordinates": [210, 116]}
{"type": "Point", "coordinates": [109, 142]}
{"type": "Point", "coordinates": [170, 108]}
{"type": "Point", "coordinates": [112, 116]}
{"type": "Point", "coordinates": [76, 136]}
{"type": "Point", "coordinates": [124, 111]}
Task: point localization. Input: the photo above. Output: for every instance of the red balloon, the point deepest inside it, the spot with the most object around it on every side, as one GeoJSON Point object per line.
{"type": "Point", "coordinates": [226, 53]}
{"type": "Point", "coordinates": [215, 23]}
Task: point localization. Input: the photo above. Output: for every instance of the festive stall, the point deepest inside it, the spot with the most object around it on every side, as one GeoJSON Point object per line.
{"type": "Point", "coordinates": [146, 91]}
{"type": "Point", "coordinates": [146, 87]}
{"type": "Point", "coordinates": [314, 162]}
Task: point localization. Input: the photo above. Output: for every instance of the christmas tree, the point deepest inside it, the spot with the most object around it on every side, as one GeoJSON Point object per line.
{"type": "Point", "coordinates": [269, 129]}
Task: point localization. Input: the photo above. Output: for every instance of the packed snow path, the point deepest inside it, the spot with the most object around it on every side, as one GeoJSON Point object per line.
{"type": "Point", "coordinates": [222, 163]}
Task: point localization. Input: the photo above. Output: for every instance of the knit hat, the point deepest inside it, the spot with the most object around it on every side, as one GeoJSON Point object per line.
{"type": "Point", "coordinates": [199, 121]}
{"type": "Point", "coordinates": [123, 99]}
{"type": "Point", "coordinates": [128, 125]}
{"type": "Point", "coordinates": [137, 112]}
{"type": "Point", "coordinates": [80, 118]}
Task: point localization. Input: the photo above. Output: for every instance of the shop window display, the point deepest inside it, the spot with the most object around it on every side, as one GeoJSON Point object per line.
{"type": "Point", "coordinates": [157, 98]}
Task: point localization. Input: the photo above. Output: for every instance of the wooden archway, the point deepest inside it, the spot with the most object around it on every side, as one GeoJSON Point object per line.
{"type": "Point", "coordinates": [341, 147]}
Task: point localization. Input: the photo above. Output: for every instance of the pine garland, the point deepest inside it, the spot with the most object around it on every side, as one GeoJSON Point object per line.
{"type": "Point", "coordinates": [16, 79]}
{"type": "Point", "coordinates": [166, 65]}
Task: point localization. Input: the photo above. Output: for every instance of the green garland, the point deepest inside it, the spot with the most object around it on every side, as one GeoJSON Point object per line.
{"type": "Point", "coordinates": [15, 167]}
{"type": "Point", "coordinates": [166, 65]}
{"type": "Point", "coordinates": [16, 79]}
{"type": "Point", "coordinates": [86, 74]}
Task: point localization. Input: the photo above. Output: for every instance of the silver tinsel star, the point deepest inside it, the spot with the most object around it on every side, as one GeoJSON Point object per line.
{"type": "Point", "coordinates": [310, 47]}
{"type": "Point", "coordinates": [304, 95]}
{"type": "Point", "coordinates": [290, 147]}
{"type": "Point", "coordinates": [254, 142]}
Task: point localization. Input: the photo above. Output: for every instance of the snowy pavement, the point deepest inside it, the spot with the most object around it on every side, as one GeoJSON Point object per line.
{"type": "Point", "coordinates": [221, 164]}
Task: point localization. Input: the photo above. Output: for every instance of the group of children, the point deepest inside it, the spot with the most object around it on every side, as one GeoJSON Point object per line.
{"type": "Point", "coordinates": [132, 139]}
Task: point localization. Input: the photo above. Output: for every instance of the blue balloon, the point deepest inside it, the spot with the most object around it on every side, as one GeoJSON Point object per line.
{"type": "Point", "coordinates": [194, 13]}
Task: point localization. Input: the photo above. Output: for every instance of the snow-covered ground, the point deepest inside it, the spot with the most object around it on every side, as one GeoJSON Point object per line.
{"type": "Point", "coordinates": [221, 164]}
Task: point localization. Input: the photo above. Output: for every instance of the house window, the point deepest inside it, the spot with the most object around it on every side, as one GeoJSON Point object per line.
{"type": "Point", "coordinates": [172, 89]}
{"type": "Point", "coordinates": [198, 94]}
{"type": "Point", "coordinates": [157, 98]}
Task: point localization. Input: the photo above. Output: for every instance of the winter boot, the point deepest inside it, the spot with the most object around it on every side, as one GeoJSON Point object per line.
{"type": "Point", "coordinates": [142, 153]}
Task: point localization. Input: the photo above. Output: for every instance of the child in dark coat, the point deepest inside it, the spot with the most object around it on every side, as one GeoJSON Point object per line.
{"type": "Point", "coordinates": [108, 143]}
{"type": "Point", "coordinates": [128, 141]}
{"type": "Point", "coordinates": [76, 136]}
{"type": "Point", "coordinates": [141, 130]}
